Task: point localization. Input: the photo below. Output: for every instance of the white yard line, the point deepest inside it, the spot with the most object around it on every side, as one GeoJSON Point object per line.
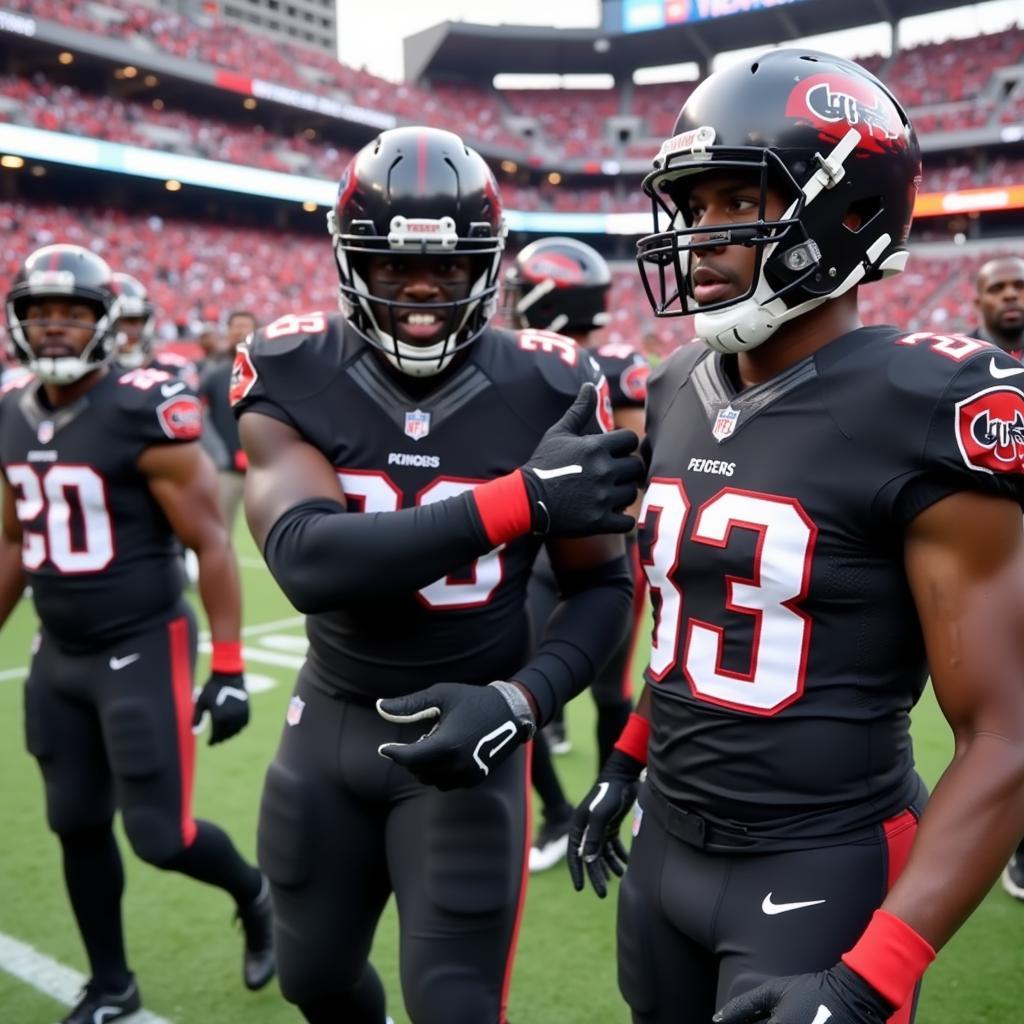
{"type": "Point", "coordinates": [13, 673]}
{"type": "Point", "coordinates": [51, 977]}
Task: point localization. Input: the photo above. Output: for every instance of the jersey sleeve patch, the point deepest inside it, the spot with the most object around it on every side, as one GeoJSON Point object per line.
{"type": "Point", "coordinates": [633, 380]}
{"type": "Point", "coordinates": [181, 417]}
{"type": "Point", "coordinates": [243, 375]}
{"type": "Point", "coordinates": [990, 430]}
{"type": "Point", "coordinates": [605, 414]}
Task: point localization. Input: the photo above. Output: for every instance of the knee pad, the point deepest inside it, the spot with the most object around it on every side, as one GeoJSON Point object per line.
{"type": "Point", "coordinates": [450, 994]}
{"type": "Point", "coordinates": [132, 738]}
{"type": "Point", "coordinates": [470, 861]}
{"type": "Point", "coordinates": [635, 949]}
{"type": "Point", "coordinates": [287, 828]}
{"type": "Point", "coordinates": [155, 836]}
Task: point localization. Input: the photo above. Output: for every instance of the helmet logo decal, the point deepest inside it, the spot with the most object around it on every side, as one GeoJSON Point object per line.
{"type": "Point", "coordinates": [423, 232]}
{"type": "Point", "coordinates": [695, 141]}
{"type": "Point", "coordinates": [57, 280]}
{"type": "Point", "coordinates": [834, 103]}
{"type": "Point", "coordinates": [561, 269]}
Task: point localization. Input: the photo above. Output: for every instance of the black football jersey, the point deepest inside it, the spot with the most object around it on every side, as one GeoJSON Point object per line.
{"type": "Point", "coordinates": [787, 652]}
{"type": "Point", "coordinates": [626, 371]}
{"type": "Point", "coordinates": [393, 449]}
{"type": "Point", "coordinates": [98, 550]}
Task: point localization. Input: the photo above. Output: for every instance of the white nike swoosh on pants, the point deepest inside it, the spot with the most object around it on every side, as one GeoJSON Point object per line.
{"type": "Point", "coordinates": [770, 908]}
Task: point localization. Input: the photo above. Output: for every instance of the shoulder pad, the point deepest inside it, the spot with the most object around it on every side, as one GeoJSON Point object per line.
{"type": "Point", "coordinates": [291, 359]}
{"type": "Point", "coordinates": [156, 406]}
{"type": "Point", "coordinates": [556, 359]}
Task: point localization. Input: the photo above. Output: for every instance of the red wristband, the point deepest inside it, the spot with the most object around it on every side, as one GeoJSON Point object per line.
{"type": "Point", "coordinates": [227, 658]}
{"type": "Point", "coordinates": [504, 507]}
{"type": "Point", "coordinates": [891, 957]}
{"type": "Point", "coordinates": [634, 737]}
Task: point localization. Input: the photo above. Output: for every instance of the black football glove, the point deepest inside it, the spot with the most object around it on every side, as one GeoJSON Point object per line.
{"type": "Point", "coordinates": [838, 996]}
{"type": "Point", "coordinates": [594, 842]}
{"type": "Point", "coordinates": [578, 482]}
{"type": "Point", "coordinates": [226, 700]}
{"type": "Point", "coordinates": [475, 728]}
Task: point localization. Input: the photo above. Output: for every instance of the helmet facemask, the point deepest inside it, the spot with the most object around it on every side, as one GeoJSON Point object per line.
{"type": "Point", "coordinates": [133, 307]}
{"type": "Point", "coordinates": [63, 370]}
{"type": "Point", "coordinates": [376, 318]}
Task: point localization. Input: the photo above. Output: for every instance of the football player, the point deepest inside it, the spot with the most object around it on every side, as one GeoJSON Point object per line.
{"type": "Point", "coordinates": [214, 388]}
{"type": "Point", "coordinates": [136, 331]}
{"type": "Point", "coordinates": [406, 461]}
{"type": "Point", "coordinates": [831, 511]}
{"type": "Point", "coordinates": [562, 284]}
{"type": "Point", "coordinates": [102, 472]}
{"type": "Point", "coordinates": [999, 298]}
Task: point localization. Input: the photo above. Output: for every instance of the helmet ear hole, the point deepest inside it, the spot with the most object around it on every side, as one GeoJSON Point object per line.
{"type": "Point", "coordinates": [861, 213]}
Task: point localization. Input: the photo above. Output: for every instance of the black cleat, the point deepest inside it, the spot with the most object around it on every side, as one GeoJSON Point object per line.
{"type": "Point", "coordinates": [551, 844]}
{"type": "Point", "coordinates": [1013, 876]}
{"type": "Point", "coordinates": [95, 1007]}
{"type": "Point", "coordinates": [258, 965]}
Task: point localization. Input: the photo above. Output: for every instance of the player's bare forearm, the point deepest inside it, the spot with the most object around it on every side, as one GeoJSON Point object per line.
{"type": "Point", "coordinates": [972, 824]}
{"type": "Point", "coordinates": [965, 564]}
{"type": "Point", "coordinates": [12, 574]}
{"type": "Point", "coordinates": [219, 590]}
{"type": "Point", "coordinates": [12, 577]}
{"type": "Point", "coordinates": [183, 481]}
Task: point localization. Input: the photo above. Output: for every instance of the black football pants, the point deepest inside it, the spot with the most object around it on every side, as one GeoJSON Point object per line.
{"type": "Point", "coordinates": [112, 728]}
{"type": "Point", "coordinates": [341, 828]}
{"type": "Point", "coordinates": [697, 928]}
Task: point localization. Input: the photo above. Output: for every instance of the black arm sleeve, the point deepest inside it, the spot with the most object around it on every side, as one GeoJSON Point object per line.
{"type": "Point", "coordinates": [324, 557]}
{"type": "Point", "coordinates": [582, 635]}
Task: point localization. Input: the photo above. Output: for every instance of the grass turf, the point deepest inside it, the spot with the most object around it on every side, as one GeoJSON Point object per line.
{"type": "Point", "coordinates": [187, 956]}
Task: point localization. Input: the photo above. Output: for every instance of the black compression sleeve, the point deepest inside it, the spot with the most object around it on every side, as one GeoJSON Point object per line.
{"type": "Point", "coordinates": [582, 635]}
{"type": "Point", "coordinates": [323, 557]}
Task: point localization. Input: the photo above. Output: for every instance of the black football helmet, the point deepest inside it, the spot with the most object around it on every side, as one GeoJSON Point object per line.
{"type": "Point", "coordinates": [833, 140]}
{"type": "Point", "coordinates": [66, 271]}
{"type": "Point", "coordinates": [135, 304]}
{"type": "Point", "coordinates": [559, 284]}
{"type": "Point", "coordinates": [418, 191]}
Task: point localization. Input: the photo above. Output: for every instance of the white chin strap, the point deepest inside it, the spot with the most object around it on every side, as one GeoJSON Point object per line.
{"type": "Point", "coordinates": [62, 369]}
{"type": "Point", "coordinates": [132, 358]}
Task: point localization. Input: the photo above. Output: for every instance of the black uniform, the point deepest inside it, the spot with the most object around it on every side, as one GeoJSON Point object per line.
{"type": "Point", "coordinates": [626, 370]}
{"type": "Point", "coordinates": [342, 827]}
{"type": "Point", "coordinates": [781, 797]}
{"type": "Point", "coordinates": [108, 700]}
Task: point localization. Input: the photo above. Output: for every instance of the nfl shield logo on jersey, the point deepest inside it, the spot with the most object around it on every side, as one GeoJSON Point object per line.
{"type": "Point", "coordinates": [45, 431]}
{"type": "Point", "coordinates": [417, 424]}
{"type": "Point", "coordinates": [295, 708]}
{"type": "Point", "coordinates": [725, 423]}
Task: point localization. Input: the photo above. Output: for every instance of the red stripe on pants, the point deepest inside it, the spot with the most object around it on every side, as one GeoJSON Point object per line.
{"type": "Point", "coordinates": [899, 837]}
{"type": "Point", "coordinates": [525, 874]}
{"type": "Point", "coordinates": [181, 687]}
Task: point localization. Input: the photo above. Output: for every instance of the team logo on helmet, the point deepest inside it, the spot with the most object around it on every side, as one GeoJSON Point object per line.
{"type": "Point", "coordinates": [561, 269]}
{"type": "Point", "coordinates": [181, 418]}
{"type": "Point", "coordinates": [990, 430]}
{"type": "Point", "coordinates": [834, 103]}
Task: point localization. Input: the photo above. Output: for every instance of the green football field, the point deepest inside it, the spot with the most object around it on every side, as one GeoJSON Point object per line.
{"type": "Point", "coordinates": [187, 954]}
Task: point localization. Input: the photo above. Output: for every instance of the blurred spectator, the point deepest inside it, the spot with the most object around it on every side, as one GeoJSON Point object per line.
{"type": "Point", "coordinates": [999, 297]}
